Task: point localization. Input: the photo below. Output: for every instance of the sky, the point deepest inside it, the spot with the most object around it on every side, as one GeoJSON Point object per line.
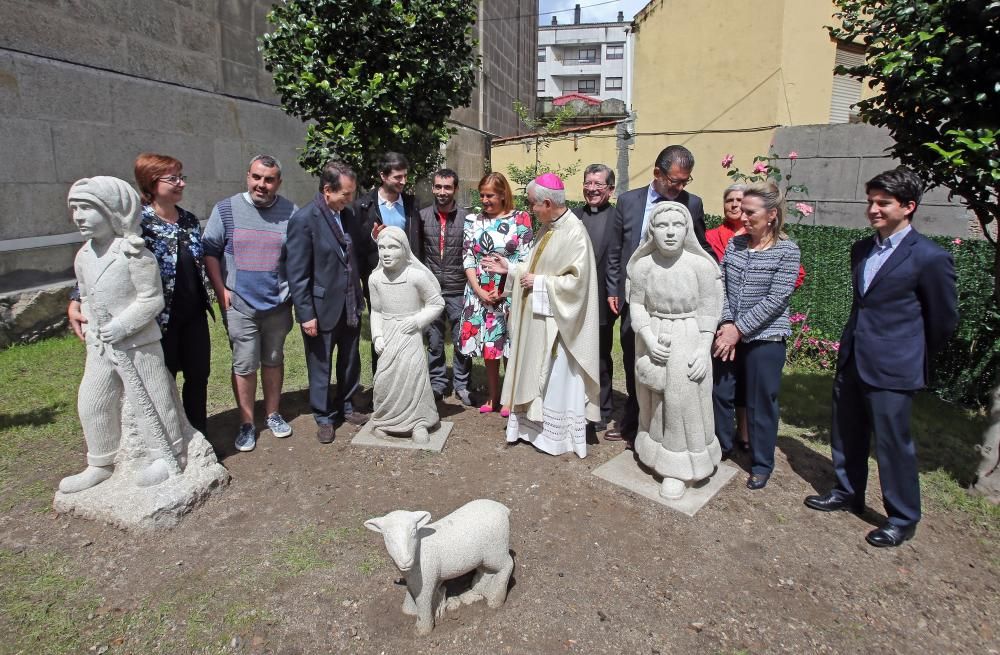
{"type": "Point", "coordinates": [597, 11]}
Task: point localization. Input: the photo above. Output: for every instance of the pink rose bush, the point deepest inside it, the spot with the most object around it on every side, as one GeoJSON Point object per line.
{"type": "Point", "coordinates": [805, 208]}
{"type": "Point", "coordinates": [809, 348]}
{"type": "Point", "coordinates": [727, 161]}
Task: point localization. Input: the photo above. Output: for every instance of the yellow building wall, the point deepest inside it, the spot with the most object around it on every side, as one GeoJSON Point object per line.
{"type": "Point", "coordinates": [705, 75]}
{"type": "Point", "coordinates": [592, 147]}
{"type": "Point", "coordinates": [721, 68]}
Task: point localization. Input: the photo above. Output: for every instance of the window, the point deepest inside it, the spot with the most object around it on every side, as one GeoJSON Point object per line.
{"type": "Point", "coordinates": [588, 55]}
{"type": "Point", "coordinates": [586, 86]}
{"type": "Point", "coordinates": [615, 52]}
{"type": "Point", "coordinates": [541, 86]}
{"type": "Point", "coordinates": [541, 54]}
{"type": "Point", "coordinates": [613, 84]}
{"type": "Point", "coordinates": [846, 89]}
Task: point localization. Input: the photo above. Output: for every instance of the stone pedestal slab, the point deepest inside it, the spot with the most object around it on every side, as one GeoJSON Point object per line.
{"type": "Point", "coordinates": [624, 471]}
{"type": "Point", "coordinates": [366, 437]}
{"type": "Point", "coordinates": [123, 504]}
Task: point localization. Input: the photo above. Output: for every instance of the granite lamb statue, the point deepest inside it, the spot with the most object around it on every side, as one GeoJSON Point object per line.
{"type": "Point", "coordinates": [475, 537]}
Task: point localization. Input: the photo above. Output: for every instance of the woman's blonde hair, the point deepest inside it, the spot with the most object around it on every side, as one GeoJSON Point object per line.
{"type": "Point", "coordinates": [773, 199]}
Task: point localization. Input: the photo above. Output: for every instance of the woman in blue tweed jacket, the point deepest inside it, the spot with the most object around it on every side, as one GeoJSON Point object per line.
{"type": "Point", "coordinates": [758, 277]}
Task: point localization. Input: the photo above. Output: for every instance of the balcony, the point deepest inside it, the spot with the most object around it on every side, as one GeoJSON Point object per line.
{"type": "Point", "coordinates": [594, 61]}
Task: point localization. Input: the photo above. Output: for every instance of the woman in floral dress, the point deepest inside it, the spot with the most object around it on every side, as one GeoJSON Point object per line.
{"type": "Point", "coordinates": [500, 230]}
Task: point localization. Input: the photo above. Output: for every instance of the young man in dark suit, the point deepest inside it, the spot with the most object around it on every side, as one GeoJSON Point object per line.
{"type": "Point", "coordinates": [324, 251]}
{"type": "Point", "coordinates": [671, 173]}
{"type": "Point", "coordinates": [387, 204]}
{"type": "Point", "coordinates": [904, 310]}
{"type": "Point", "coordinates": [599, 216]}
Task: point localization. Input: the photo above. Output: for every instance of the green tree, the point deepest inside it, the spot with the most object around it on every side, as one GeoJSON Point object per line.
{"type": "Point", "coordinates": [372, 75]}
{"type": "Point", "coordinates": [934, 66]}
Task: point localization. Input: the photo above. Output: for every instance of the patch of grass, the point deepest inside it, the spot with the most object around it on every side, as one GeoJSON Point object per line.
{"type": "Point", "coordinates": [43, 604]}
{"type": "Point", "coordinates": [371, 563]}
{"type": "Point", "coordinates": [943, 492]}
{"type": "Point", "coordinates": [302, 551]}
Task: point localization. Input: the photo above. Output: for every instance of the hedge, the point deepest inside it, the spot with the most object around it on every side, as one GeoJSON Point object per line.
{"type": "Point", "coordinates": [967, 370]}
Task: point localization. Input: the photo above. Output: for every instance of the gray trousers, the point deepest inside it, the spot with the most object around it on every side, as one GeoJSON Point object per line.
{"type": "Point", "coordinates": [436, 363]}
{"type": "Point", "coordinates": [100, 408]}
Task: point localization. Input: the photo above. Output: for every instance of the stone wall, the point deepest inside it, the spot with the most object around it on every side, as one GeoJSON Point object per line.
{"type": "Point", "coordinates": [86, 86]}
{"type": "Point", "coordinates": [835, 161]}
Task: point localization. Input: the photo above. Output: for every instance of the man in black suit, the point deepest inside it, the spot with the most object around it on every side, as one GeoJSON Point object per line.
{"type": "Point", "coordinates": [386, 204]}
{"type": "Point", "coordinates": [671, 173]}
{"type": "Point", "coordinates": [324, 250]}
{"type": "Point", "coordinates": [600, 217]}
{"type": "Point", "coordinates": [904, 309]}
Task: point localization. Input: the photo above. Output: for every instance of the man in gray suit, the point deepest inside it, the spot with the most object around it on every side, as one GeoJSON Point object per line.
{"type": "Point", "coordinates": [324, 255]}
{"type": "Point", "coordinates": [671, 173]}
{"type": "Point", "coordinates": [600, 217]}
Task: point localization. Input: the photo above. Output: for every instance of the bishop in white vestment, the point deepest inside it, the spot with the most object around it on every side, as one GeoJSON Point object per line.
{"type": "Point", "coordinates": [552, 385]}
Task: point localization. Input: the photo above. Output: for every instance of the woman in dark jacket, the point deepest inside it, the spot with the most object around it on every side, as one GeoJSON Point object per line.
{"type": "Point", "coordinates": [173, 235]}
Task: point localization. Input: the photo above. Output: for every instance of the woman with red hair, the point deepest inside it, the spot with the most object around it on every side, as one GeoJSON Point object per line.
{"type": "Point", "coordinates": [497, 229]}
{"type": "Point", "coordinates": [173, 235]}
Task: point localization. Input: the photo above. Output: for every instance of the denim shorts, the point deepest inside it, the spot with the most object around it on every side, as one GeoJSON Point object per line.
{"type": "Point", "coordinates": [258, 340]}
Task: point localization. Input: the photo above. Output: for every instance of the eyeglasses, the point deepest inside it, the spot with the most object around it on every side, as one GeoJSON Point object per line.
{"type": "Point", "coordinates": [174, 180]}
{"type": "Point", "coordinates": [595, 185]}
{"type": "Point", "coordinates": [684, 182]}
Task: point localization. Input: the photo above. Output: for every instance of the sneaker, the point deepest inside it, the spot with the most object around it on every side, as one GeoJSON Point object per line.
{"type": "Point", "coordinates": [246, 439]}
{"type": "Point", "coordinates": [464, 396]}
{"type": "Point", "coordinates": [278, 426]}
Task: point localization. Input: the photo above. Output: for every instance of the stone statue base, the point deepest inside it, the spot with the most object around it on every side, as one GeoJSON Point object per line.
{"type": "Point", "coordinates": [367, 436]}
{"type": "Point", "coordinates": [121, 503]}
{"type": "Point", "coordinates": [624, 471]}
{"type": "Point", "coordinates": [988, 475]}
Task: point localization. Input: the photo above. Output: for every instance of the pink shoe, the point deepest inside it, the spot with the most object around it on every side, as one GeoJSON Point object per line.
{"type": "Point", "coordinates": [504, 412]}
{"type": "Point", "coordinates": [485, 408]}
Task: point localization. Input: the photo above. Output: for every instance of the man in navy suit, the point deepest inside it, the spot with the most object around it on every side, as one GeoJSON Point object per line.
{"type": "Point", "coordinates": [671, 173]}
{"type": "Point", "coordinates": [325, 252]}
{"type": "Point", "coordinates": [904, 310]}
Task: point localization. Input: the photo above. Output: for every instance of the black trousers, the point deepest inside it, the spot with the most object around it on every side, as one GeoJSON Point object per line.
{"type": "Point", "coordinates": [860, 411]}
{"type": "Point", "coordinates": [607, 366]}
{"type": "Point", "coordinates": [319, 356]}
{"type": "Point", "coordinates": [757, 370]}
{"type": "Point", "coordinates": [187, 349]}
{"type": "Point", "coordinates": [630, 419]}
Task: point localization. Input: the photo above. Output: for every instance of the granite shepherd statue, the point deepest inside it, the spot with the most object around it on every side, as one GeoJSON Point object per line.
{"type": "Point", "coordinates": [121, 296]}
{"type": "Point", "coordinates": [475, 537]}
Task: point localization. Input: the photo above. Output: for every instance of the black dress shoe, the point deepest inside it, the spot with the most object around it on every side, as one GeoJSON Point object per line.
{"type": "Point", "coordinates": [890, 535]}
{"type": "Point", "coordinates": [757, 481]}
{"type": "Point", "coordinates": [833, 502]}
{"type": "Point", "coordinates": [325, 433]}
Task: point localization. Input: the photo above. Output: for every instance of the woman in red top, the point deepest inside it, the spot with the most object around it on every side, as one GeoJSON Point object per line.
{"type": "Point", "coordinates": [732, 223]}
{"type": "Point", "coordinates": [718, 238]}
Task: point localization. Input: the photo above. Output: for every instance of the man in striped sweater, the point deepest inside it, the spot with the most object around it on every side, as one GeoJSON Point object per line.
{"type": "Point", "coordinates": [243, 241]}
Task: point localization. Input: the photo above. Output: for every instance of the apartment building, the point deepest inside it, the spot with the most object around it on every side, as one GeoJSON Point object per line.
{"type": "Point", "coordinates": [590, 59]}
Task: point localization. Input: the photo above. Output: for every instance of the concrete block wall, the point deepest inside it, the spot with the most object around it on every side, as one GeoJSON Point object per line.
{"type": "Point", "coordinates": [835, 161]}
{"type": "Point", "coordinates": [87, 86]}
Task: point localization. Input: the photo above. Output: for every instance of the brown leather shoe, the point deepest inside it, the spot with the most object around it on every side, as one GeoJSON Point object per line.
{"type": "Point", "coordinates": [325, 433]}
{"type": "Point", "coordinates": [357, 418]}
{"type": "Point", "coordinates": [613, 434]}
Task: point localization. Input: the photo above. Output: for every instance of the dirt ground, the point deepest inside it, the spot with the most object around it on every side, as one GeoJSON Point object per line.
{"type": "Point", "coordinates": [279, 562]}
